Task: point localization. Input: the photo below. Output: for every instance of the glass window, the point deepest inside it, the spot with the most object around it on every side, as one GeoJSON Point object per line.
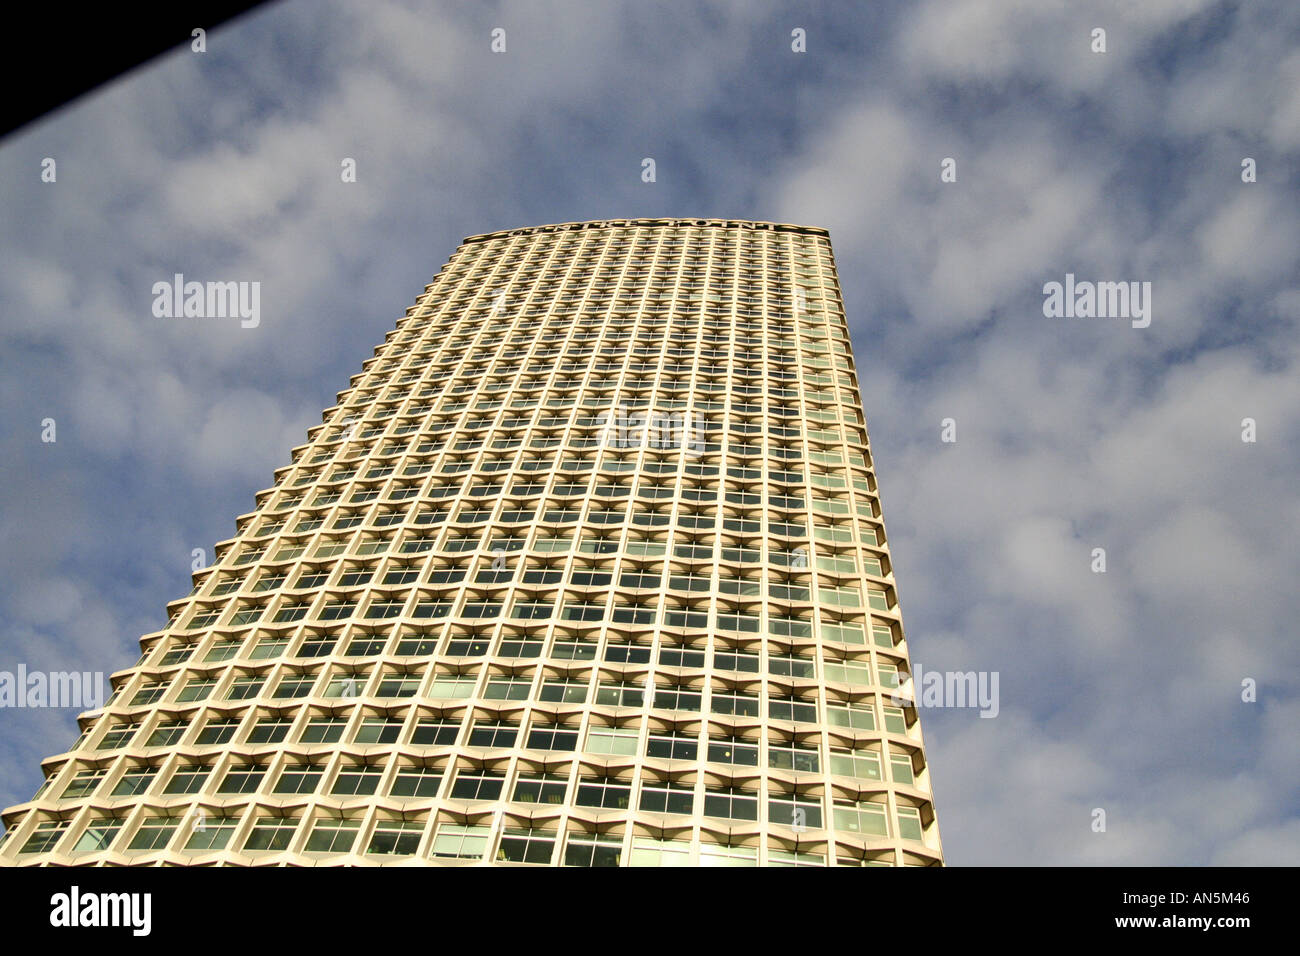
{"type": "Point", "coordinates": [99, 834]}
{"type": "Point", "coordinates": [332, 836]}
{"type": "Point", "coordinates": [461, 842]}
{"type": "Point", "coordinates": [525, 845]}
{"type": "Point", "coordinates": [211, 832]}
{"type": "Point", "coordinates": [593, 851]}
{"type": "Point", "coordinates": [154, 833]}
{"type": "Point", "coordinates": [396, 837]}
{"type": "Point", "coordinates": [417, 782]}
{"type": "Point", "coordinates": [271, 834]}
{"type": "Point", "coordinates": [650, 852]}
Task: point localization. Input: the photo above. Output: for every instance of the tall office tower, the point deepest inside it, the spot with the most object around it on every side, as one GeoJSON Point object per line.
{"type": "Point", "coordinates": [585, 568]}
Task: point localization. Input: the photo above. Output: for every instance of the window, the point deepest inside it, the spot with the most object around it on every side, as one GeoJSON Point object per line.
{"type": "Point", "coordinates": [332, 836]}
{"type": "Point", "coordinates": [453, 686]}
{"type": "Point", "coordinates": [167, 733]}
{"type": "Point", "coordinates": [909, 823]}
{"type": "Point", "coordinates": [268, 648]}
{"type": "Point", "coordinates": [379, 730]}
{"type": "Point", "coordinates": [849, 671]}
{"type": "Point", "coordinates": [733, 750]}
{"type": "Point", "coordinates": [99, 834]}
{"type": "Point", "coordinates": [46, 834]}
{"type": "Point", "coordinates": [790, 756]}
{"type": "Point", "coordinates": [862, 764]}
{"type": "Point", "coordinates": [154, 833]}
{"type": "Point", "coordinates": [135, 781]}
{"type": "Point", "coordinates": [467, 647]}
{"type": "Point", "coordinates": [737, 703]}
{"type": "Point", "coordinates": [473, 784]}
{"type": "Point", "coordinates": [681, 657]}
{"type": "Point", "coordinates": [338, 610]}
{"type": "Point", "coordinates": [299, 778]}
{"type": "Point", "coordinates": [317, 647]}
{"type": "Point", "coordinates": [564, 691]}
{"type": "Point", "coordinates": [791, 858]}
{"type": "Point", "coordinates": [509, 688]}
{"type": "Point", "coordinates": [271, 834]}
{"type": "Point", "coordinates": [900, 766]}
{"type": "Point", "coordinates": [212, 832]}
{"type": "Point", "coordinates": [665, 796]}
{"type": "Point", "coordinates": [673, 697]}
{"type": "Point", "coordinates": [435, 732]}
{"type": "Point", "coordinates": [197, 689]}
{"type": "Point", "coordinates": [868, 818]}
{"type": "Point", "coordinates": [149, 693]}
{"type": "Point", "coordinates": [526, 845]}
{"type": "Point", "coordinates": [672, 746]}
{"type": "Point", "coordinates": [242, 778]}
{"type": "Point", "coordinates": [324, 730]}
{"type": "Point", "coordinates": [357, 780]}
{"type": "Point", "coordinates": [223, 650]}
{"type": "Point", "coordinates": [895, 720]}
{"type": "Point", "coordinates": [345, 686]}
{"type": "Point", "coordinates": [83, 783]}
{"type": "Point", "coordinates": [188, 779]}
{"type": "Point", "coordinates": [647, 851]}
{"type": "Point", "coordinates": [737, 661]}
{"type": "Point", "coordinates": [593, 851]}
{"type": "Point", "coordinates": [606, 793]}
{"type": "Point", "coordinates": [493, 734]}
{"type": "Point", "coordinates": [247, 615]}
{"type": "Point", "coordinates": [243, 688]}
{"type": "Point", "coordinates": [552, 737]}
{"type": "Point", "coordinates": [541, 788]}
{"type": "Point", "coordinates": [269, 730]}
{"type": "Point", "coordinates": [384, 609]}
{"type": "Point", "coordinates": [461, 842]}
{"type": "Point", "coordinates": [712, 854]}
{"type": "Point", "coordinates": [857, 716]}
{"type": "Point", "coordinates": [578, 649]}
{"type": "Point", "coordinates": [396, 837]}
{"type": "Point", "coordinates": [795, 810]}
{"type": "Point", "coordinates": [398, 685]}
{"type": "Point", "coordinates": [364, 646]}
{"type": "Point", "coordinates": [418, 781]}
{"type": "Point", "coordinates": [218, 731]}
{"type": "Point", "coordinates": [620, 694]}
{"type": "Point", "coordinates": [118, 735]}
{"type": "Point", "coordinates": [791, 666]}
{"type": "Point", "coordinates": [732, 803]}
{"type": "Point", "coordinates": [416, 645]}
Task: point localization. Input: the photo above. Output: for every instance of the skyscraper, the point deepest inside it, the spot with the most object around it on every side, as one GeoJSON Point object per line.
{"type": "Point", "coordinates": [586, 567]}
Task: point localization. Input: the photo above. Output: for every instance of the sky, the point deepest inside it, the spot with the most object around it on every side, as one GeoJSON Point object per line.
{"type": "Point", "coordinates": [1120, 691]}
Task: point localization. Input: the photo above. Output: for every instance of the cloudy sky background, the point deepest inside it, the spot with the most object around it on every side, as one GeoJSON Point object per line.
{"type": "Point", "coordinates": [1119, 690]}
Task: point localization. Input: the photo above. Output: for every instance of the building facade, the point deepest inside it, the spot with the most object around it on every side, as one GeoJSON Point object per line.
{"type": "Point", "coordinates": [586, 567]}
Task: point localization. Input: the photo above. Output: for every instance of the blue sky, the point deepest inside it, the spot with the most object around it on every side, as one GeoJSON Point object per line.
{"type": "Point", "coordinates": [1119, 690]}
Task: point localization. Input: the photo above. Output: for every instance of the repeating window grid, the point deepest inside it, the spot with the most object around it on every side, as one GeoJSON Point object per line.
{"type": "Point", "coordinates": [573, 329]}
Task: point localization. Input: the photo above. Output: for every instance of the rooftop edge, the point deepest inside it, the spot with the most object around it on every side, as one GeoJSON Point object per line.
{"type": "Point", "coordinates": [666, 223]}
